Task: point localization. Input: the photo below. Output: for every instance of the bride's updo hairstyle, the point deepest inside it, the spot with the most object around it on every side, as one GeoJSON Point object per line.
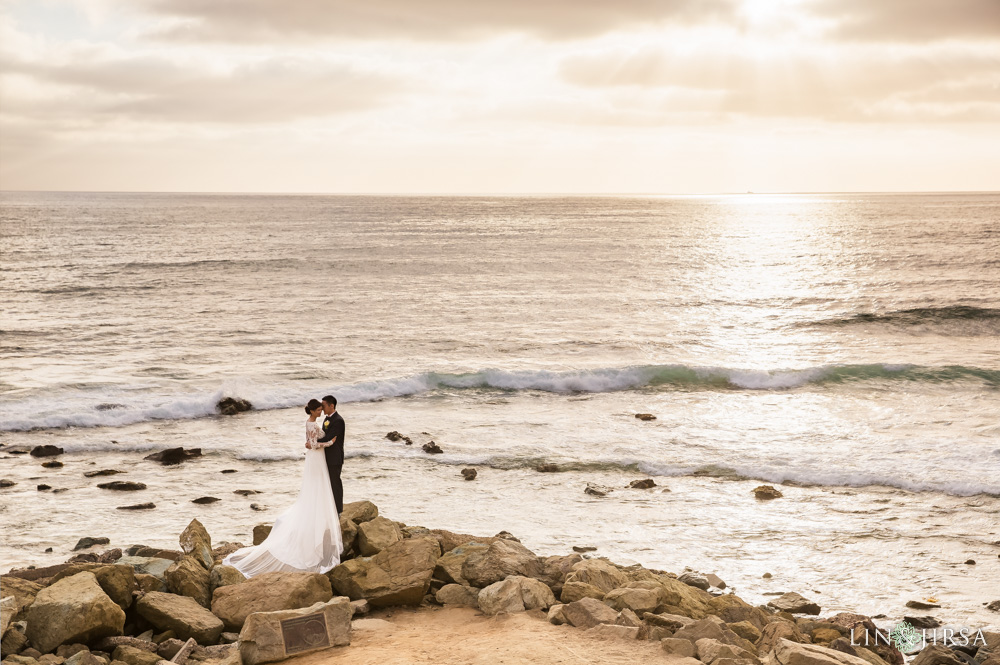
{"type": "Point", "coordinates": [313, 405]}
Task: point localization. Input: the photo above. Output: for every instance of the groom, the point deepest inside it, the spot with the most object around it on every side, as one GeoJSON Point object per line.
{"type": "Point", "coordinates": [333, 437]}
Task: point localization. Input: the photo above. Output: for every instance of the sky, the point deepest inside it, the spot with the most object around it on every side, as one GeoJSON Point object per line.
{"type": "Point", "coordinates": [505, 96]}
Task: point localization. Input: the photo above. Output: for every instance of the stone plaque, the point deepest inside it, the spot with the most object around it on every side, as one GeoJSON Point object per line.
{"type": "Point", "coordinates": [304, 633]}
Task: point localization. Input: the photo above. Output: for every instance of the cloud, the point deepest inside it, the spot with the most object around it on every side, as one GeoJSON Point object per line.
{"type": "Point", "coordinates": [910, 20]}
{"type": "Point", "coordinates": [255, 20]}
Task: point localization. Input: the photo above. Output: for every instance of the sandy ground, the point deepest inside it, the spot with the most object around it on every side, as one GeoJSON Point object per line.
{"type": "Point", "coordinates": [463, 636]}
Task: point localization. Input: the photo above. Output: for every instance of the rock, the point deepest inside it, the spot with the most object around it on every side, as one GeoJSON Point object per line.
{"type": "Point", "coordinates": [205, 500]}
{"type": "Point", "coordinates": [246, 492]}
{"type": "Point", "coordinates": [196, 543]}
{"type": "Point", "coordinates": [134, 656]}
{"type": "Point", "coordinates": [556, 616]}
{"type": "Point", "coordinates": [994, 606]}
{"type": "Point", "coordinates": [746, 630]}
{"type": "Point", "coordinates": [777, 631]}
{"type": "Point", "coordinates": [85, 657]}
{"type": "Point", "coordinates": [573, 591]}
{"type": "Point", "coordinates": [70, 650]}
{"type": "Point", "coordinates": [7, 483]}
{"type": "Point", "coordinates": [172, 456]}
{"type": "Point", "coordinates": [607, 631]}
{"type": "Point", "coordinates": [46, 451]}
{"type": "Point", "coordinates": [74, 609]}
{"type": "Point", "coordinates": [22, 591]}
{"type": "Point", "coordinates": [715, 581]}
{"type": "Point", "coordinates": [260, 533]}
{"type": "Point", "coordinates": [269, 592]}
{"type": "Point", "coordinates": [627, 617]}
{"type": "Point", "coordinates": [170, 647]}
{"type": "Point", "coordinates": [712, 628]}
{"type": "Point", "coordinates": [398, 575]}
{"type": "Point", "coordinates": [224, 576]}
{"type": "Point", "coordinates": [644, 484]}
{"type": "Point", "coordinates": [696, 580]}
{"type": "Point", "coordinates": [432, 448]}
{"type": "Point", "coordinates": [101, 472]}
{"type": "Point", "coordinates": [588, 613]}
{"type": "Point", "coordinates": [937, 654]}
{"type": "Point", "coordinates": [507, 535]}
{"type": "Point", "coordinates": [229, 471]}
{"type": "Point", "coordinates": [825, 635]}
{"type": "Point", "coordinates": [599, 573]}
{"type": "Point", "coordinates": [710, 651]}
{"type": "Point", "coordinates": [449, 566]}
{"type": "Point", "coordinates": [109, 644]}
{"type": "Point", "coordinates": [359, 511]}
{"type": "Point", "coordinates": [222, 550]}
{"type": "Point", "coordinates": [547, 468]}
{"type": "Point", "coordinates": [794, 603]}
{"type": "Point", "coordinates": [149, 505]}
{"type": "Point", "coordinates": [117, 581]}
{"type": "Point", "coordinates": [396, 436]}
{"type": "Point", "coordinates": [766, 492]}
{"type": "Point", "coordinates": [678, 646]}
{"type": "Point", "coordinates": [360, 607]}
{"type": "Point", "coordinates": [188, 577]}
{"type": "Point", "coordinates": [43, 487]}
{"type": "Point", "coordinates": [921, 605]}
{"type": "Point", "coordinates": [793, 653]}
{"type": "Point", "coordinates": [19, 660]}
{"type": "Point", "coordinates": [584, 548]}
{"type": "Point", "coordinates": [645, 416]}
{"type": "Point", "coordinates": [52, 465]}
{"type": "Point", "coordinates": [122, 486]}
{"type": "Point", "coordinates": [502, 597]}
{"type": "Point", "coordinates": [595, 491]}
{"type": "Point", "coordinates": [8, 608]}
{"type": "Point", "coordinates": [469, 474]}
{"type": "Point", "coordinates": [181, 614]}
{"type": "Point", "coordinates": [500, 559]}
{"type": "Point", "coordinates": [766, 576]}
{"type": "Point", "coordinates": [14, 640]}
{"type": "Point", "coordinates": [320, 626]}
{"type": "Point", "coordinates": [230, 406]}
{"type": "Point", "coordinates": [457, 594]}
{"type": "Point", "coordinates": [377, 534]}
{"type": "Point", "coordinates": [109, 556]}
{"type": "Point", "coordinates": [637, 600]}
{"type": "Point", "coordinates": [229, 638]}
{"type": "Point", "coordinates": [148, 565]}
{"type": "Point", "coordinates": [672, 622]}
{"type": "Point", "coordinates": [85, 543]}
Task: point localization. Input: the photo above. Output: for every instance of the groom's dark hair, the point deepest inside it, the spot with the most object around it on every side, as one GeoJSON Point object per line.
{"type": "Point", "coordinates": [330, 399]}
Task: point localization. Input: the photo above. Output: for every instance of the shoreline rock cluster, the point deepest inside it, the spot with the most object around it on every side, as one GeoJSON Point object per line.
{"type": "Point", "coordinates": [144, 606]}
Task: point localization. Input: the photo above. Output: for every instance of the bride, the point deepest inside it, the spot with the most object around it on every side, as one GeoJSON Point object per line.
{"type": "Point", "coordinates": [306, 537]}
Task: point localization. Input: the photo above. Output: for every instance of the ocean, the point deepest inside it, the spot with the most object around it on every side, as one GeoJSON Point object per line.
{"type": "Point", "coordinates": [845, 348]}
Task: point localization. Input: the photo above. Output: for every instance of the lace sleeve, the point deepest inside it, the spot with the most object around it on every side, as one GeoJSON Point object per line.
{"type": "Point", "coordinates": [312, 434]}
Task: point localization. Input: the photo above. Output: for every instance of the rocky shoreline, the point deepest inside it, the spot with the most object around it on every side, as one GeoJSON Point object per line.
{"type": "Point", "coordinates": [146, 605]}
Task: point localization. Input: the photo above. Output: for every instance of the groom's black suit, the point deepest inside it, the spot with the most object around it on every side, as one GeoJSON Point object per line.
{"type": "Point", "coordinates": [333, 430]}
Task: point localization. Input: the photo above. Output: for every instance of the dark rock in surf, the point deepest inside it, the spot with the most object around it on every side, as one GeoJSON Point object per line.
{"type": "Point", "coordinates": [696, 580]}
{"type": "Point", "coordinates": [767, 492]}
{"type": "Point", "coordinates": [52, 465]}
{"type": "Point", "coordinates": [138, 506]}
{"type": "Point", "coordinates": [122, 486]}
{"type": "Point", "coordinates": [246, 492]}
{"type": "Point", "coordinates": [46, 451]}
{"type": "Point", "coordinates": [547, 468]}
{"type": "Point", "coordinates": [469, 474]}
{"type": "Point", "coordinates": [432, 448]}
{"type": "Point", "coordinates": [230, 406]}
{"type": "Point", "coordinates": [994, 606]}
{"type": "Point", "coordinates": [258, 507]}
{"type": "Point", "coordinates": [205, 500]}
{"type": "Point", "coordinates": [229, 471]}
{"type": "Point", "coordinates": [173, 455]}
{"type": "Point", "coordinates": [584, 548]}
{"type": "Point", "coordinates": [396, 436]}
{"type": "Point", "coordinates": [645, 416]}
{"type": "Point", "coordinates": [922, 623]}
{"type": "Point", "coordinates": [102, 472]}
{"type": "Point", "coordinates": [644, 484]}
{"type": "Point", "coordinates": [43, 487]}
{"type": "Point", "coordinates": [84, 543]}
{"type": "Point", "coordinates": [596, 491]}
{"type": "Point", "coordinates": [7, 483]}
{"type": "Point", "coordinates": [921, 605]}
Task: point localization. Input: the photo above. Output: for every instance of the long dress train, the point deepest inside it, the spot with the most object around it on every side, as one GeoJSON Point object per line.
{"type": "Point", "coordinates": [306, 537]}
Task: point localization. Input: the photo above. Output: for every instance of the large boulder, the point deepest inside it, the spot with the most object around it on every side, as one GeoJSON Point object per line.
{"type": "Point", "coordinates": [449, 566]}
{"type": "Point", "coordinates": [74, 609]}
{"type": "Point", "coordinates": [359, 511]}
{"type": "Point", "coordinates": [637, 600]}
{"type": "Point", "coordinates": [224, 576]}
{"type": "Point", "coordinates": [776, 631]}
{"type": "Point", "coordinates": [147, 565]}
{"type": "Point", "coordinates": [398, 575]}
{"type": "Point", "coordinates": [269, 592]}
{"type": "Point", "coordinates": [260, 533]}
{"type": "Point", "coordinates": [787, 652]}
{"type": "Point", "coordinates": [713, 628]}
{"type": "Point", "coordinates": [456, 594]}
{"type": "Point", "coordinates": [118, 581]}
{"type": "Point", "coordinates": [599, 573]}
{"type": "Point", "coordinates": [377, 534]}
{"type": "Point", "coordinates": [709, 651]}
{"type": "Point", "coordinates": [181, 614]}
{"type": "Point", "coordinates": [515, 594]}
{"type": "Point", "coordinates": [679, 598]}
{"type": "Point", "coordinates": [8, 608]}
{"type": "Point", "coordinates": [196, 543]}
{"type": "Point", "coordinates": [319, 626]}
{"type": "Point", "coordinates": [556, 568]}
{"type": "Point", "coordinates": [572, 591]}
{"type": "Point", "coordinates": [937, 654]}
{"type": "Point", "coordinates": [794, 603]}
{"type": "Point", "coordinates": [501, 559]}
{"type": "Point", "coordinates": [588, 613]}
{"type": "Point", "coordinates": [22, 591]}
{"type": "Point", "coordinates": [187, 577]}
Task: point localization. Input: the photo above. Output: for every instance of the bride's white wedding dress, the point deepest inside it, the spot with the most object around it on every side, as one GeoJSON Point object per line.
{"type": "Point", "coordinates": [306, 537]}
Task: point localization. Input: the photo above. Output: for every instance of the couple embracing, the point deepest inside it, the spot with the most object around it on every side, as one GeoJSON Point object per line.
{"type": "Point", "coordinates": [306, 537]}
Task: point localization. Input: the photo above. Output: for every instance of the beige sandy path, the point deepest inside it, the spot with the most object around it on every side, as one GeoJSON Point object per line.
{"type": "Point", "coordinates": [462, 636]}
